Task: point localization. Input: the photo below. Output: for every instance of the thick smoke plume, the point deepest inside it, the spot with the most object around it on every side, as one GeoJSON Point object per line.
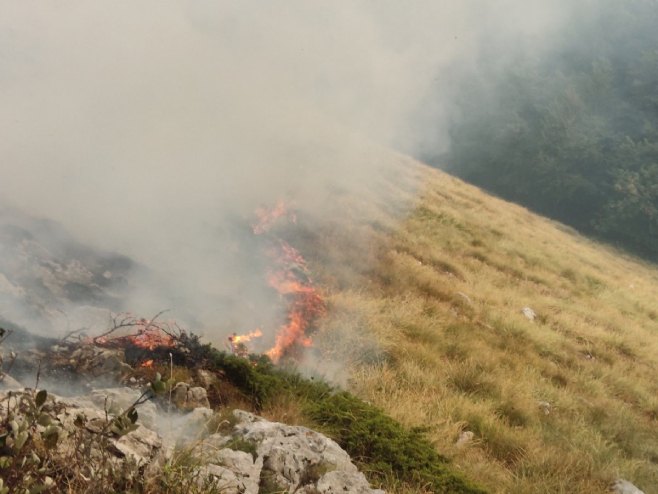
{"type": "Point", "coordinates": [156, 128]}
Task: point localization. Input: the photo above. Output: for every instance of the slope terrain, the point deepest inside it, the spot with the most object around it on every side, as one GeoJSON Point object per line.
{"type": "Point", "coordinates": [428, 315]}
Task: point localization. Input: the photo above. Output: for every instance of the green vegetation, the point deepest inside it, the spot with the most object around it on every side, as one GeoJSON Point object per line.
{"type": "Point", "coordinates": [572, 131]}
{"type": "Point", "coordinates": [385, 450]}
{"type": "Point", "coordinates": [383, 446]}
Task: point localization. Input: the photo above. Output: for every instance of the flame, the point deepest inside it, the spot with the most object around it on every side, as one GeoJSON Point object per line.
{"type": "Point", "coordinates": [147, 363]}
{"type": "Point", "coordinates": [243, 338]}
{"type": "Point", "coordinates": [148, 336]}
{"type": "Point", "coordinates": [151, 338]}
{"type": "Point", "coordinates": [290, 278]}
{"type": "Point", "coordinates": [236, 342]}
{"type": "Point", "coordinates": [268, 216]}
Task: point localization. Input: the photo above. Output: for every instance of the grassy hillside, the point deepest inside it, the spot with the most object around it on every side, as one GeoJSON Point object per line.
{"type": "Point", "coordinates": [427, 314]}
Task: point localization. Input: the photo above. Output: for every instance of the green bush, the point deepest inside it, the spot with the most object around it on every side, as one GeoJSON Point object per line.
{"type": "Point", "coordinates": [381, 447]}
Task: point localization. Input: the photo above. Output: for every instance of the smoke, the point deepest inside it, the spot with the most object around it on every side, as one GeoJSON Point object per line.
{"type": "Point", "coordinates": [155, 128]}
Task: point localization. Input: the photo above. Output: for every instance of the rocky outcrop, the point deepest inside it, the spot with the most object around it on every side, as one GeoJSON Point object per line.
{"type": "Point", "coordinates": [259, 455]}
{"type": "Point", "coordinates": [279, 457]}
{"type": "Point", "coordinates": [187, 397]}
{"type": "Point", "coordinates": [253, 455]}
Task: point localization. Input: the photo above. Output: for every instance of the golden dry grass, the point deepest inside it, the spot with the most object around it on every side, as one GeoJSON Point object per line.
{"type": "Point", "coordinates": [427, 315]}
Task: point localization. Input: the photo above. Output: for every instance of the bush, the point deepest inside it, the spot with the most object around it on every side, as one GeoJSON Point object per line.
{"type": "Point", "coordinates": [385, 450]}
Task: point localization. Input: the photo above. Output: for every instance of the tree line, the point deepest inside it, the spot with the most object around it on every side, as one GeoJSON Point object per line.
{"type": "Point", "coordinates": [571, 133]}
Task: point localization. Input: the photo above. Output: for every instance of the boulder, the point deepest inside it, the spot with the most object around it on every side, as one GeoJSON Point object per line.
{"type": "Point", "coordinates": [8, 383]}
{"type": "Point", "coordinates": [279, 456]}
{"type": "Point", "coordinates": [186, 397]}
{"type": "Point", "coordinates": [622, 486]}
{"type": "Point", "coordinates": [255, 456]}
{"type": "Point", "coordinates": [117, 400]}
{"type": "Point", "coordinates": [140, 445]}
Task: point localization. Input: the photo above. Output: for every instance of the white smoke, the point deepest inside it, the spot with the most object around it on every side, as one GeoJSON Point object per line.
{"type": "Point", "coordinates": [144, 126]}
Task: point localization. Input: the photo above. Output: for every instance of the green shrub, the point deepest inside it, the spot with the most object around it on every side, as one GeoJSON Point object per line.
{"type": "Point", "coordinates": [381, 447]}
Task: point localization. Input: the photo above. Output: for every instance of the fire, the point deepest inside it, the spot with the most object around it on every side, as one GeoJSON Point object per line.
{"type": "Point", "coordinates": [150, 338]}
{"type": "Point", "coordinates": [289, 276]}
{"type": "Point", "coordinates": [236, 342]}
{"type": "Point", "coordinates": [243, 338]}
{"type": "Point", "coordinates": [267, 217]}
{"type": "Point", "coordinates": [147, 334]}
{"type": "Point", "coordinates": [147, 363]}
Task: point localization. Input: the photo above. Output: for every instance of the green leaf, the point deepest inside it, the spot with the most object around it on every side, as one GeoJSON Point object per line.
{"type": "Point", "coordinates": [21, 439]}
{"type": "Point", "coordinates": [158, 387]}
{"type": "Point", "coordinates": [44, 419]}
{"type": "Point", "coordinates": [51, 436]}
{"type": "Point", "coordinates": [41, 398]}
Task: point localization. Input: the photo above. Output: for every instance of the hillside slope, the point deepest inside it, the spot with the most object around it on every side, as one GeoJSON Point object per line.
{"type": "Point", "coordinates": [428, 316]}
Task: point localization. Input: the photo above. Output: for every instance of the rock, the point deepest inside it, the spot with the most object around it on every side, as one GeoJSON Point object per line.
{"type": "Point", "coordinates": [141, 445]}
{"type": "Point", "coordinates": [206, 378]}
{"type": "Point", "coordinates": [222, 479]}
{"type": "Point", "coordinates": [118, 400]}
{"type": "Point", "coordinates": [340, 482]}
{"type": "Point", "coordinates": [186, 397]}
{"type": "Point", "coordinates": [245, 467]}
{"type": "Point", "coordinates": [545, 407]}
{"type": "Point", "coordinates": [187, 428]}
{"type": "Point", "coordinates": [8, 383]}
{"type": "Point", "coordinates": [292, 458]}
{"type": "Point", "coordinates": [622, 486]}
{"type": "Point", "coordinates": [465, 437]}
{"type": "Point", "coordinates": [257, 456]}
{"type": "Point", "coordinates": [198, 417]}
{"type": "Point", "coordinates": [529, 313]}
{"type": "Point", "coordinates": [95, 361]}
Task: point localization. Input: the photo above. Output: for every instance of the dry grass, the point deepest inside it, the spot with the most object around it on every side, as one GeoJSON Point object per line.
{"type": "Point", "coordinates": [429, 320]}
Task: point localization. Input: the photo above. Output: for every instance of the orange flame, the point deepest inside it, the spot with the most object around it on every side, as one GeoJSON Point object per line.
{"type": "Point", "coordinates": [290, 278]}
{"type": "Point", "coordinates": [243, 338]}
{"type": "Point", "coordinates": [151, 338]}
{"type": "Point", "coordinates": [236, 342]}
{"type": "Point", "coordinates": [267, 217]}
{"type": "Point", "coordinates": [148, 336]}
{"type": "Point", "coordinates": [147, 363]}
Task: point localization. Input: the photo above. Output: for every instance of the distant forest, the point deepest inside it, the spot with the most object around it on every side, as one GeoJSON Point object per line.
{"type": "Point", "coordinates": [571, 132]}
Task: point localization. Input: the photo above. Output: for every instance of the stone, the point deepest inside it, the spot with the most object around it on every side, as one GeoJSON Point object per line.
{"type": "Point", "coordinates": [245, 467]}
{"type": "Point", "coordinates": [465, 437]}
{"type": "Point", "coordinates": [293, 458]}
{"type": "Point", "coordinates": [529, 313]}
{"type": "Point", "coordinates": [257, 454]}
{"type": "Point", "coordinates": [186, 397]}
{"type": "Point", "coordinates": [206, 378]}
{"type": "Point", "coordinates": [622, 486]}
{"type": "Point", "coordinates": [340, 482]}
{"type": "Point", "coordinates": [545, 407]}
{"type": "Point", "coordinates": [141, 445]}
{"type": "Point", "coordinates": [8, 383]}
{"type": "Point", "coordinates": [222, 479]}
{"type": "Point", "coordinates": [118, 400]}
